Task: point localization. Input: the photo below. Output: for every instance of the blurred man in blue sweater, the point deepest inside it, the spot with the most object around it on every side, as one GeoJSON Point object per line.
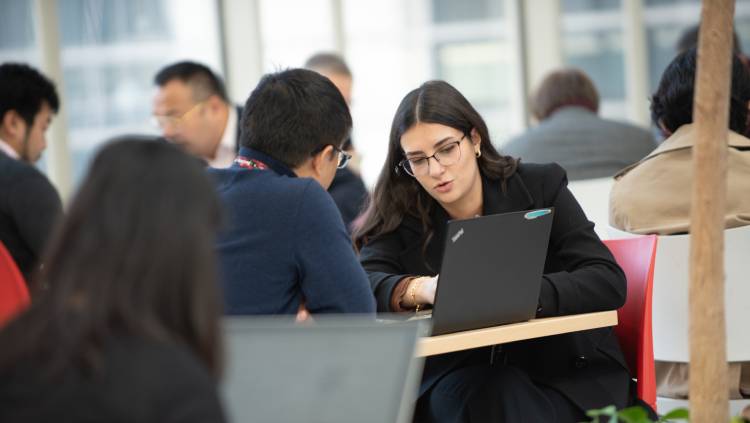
{"type": "Point", "coordinates": [285, 248]}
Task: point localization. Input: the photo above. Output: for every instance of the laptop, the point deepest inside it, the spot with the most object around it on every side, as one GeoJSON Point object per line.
{"type": "Point", "coordinates": [337, 369]}
{"type": "Point", "coordinates": [492, 270]}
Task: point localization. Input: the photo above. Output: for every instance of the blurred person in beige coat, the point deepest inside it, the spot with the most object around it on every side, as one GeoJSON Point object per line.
{"type": "Point", "coordinates": [653, 195]}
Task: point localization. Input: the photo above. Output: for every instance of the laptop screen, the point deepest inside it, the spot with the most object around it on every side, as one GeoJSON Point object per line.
{"type": "Point", "coordinates": [329, 371]}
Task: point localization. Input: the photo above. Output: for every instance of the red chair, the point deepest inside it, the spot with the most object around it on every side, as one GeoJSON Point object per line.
{"type": "Point", "coordinates": [14, 295]}
{"type": "Point", "coordinates": [636, 258]}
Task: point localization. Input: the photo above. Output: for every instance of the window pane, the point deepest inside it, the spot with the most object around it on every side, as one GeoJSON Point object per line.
{"type": "Point", "coordinates": [288, 36]}
{"type": "Point", "coordinates": [17, 40]}
{"type": "Point", "coordinates": [97, 21]}
{"type": "Point", "coordinates": [467, 10]}
{"type": "Point", "coordinates": [666, 20]}
{"type": "Point", "coordinates": [592, 40]}
{"type": "Point", "coordinates": [393, 46]}
{"type": "Point", "coordinates": [669, 2]}
{"type": "Point", "coordinates": [587, 5]}
{"type": "Point", "coordinates": [599, 53]}
{"type": "Point", "coordinates": [16, 25]}
{"type": "Point", "coordinates": [482, 71]}
{"type": "Point", "coordinates": [111, 51]}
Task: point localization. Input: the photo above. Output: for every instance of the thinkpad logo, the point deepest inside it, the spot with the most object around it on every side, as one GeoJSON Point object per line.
{"type": "Point", "coordinates": [458, 234]}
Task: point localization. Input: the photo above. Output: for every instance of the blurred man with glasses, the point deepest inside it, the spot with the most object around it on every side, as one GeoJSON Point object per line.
{"type": "Point", "coordinates": [285, 249]}
{"type": "Point", "coordinates": [348, 190]}
{"type": "Point", "coordinates": [192, 110]}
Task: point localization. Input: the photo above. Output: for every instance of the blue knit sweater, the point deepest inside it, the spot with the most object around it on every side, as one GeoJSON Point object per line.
{"type": "Point", "coordinates": [285, 242]}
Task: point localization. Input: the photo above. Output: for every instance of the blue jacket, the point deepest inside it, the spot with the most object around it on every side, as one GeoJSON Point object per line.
{"type": "Point", "coordinates": [284, 242]}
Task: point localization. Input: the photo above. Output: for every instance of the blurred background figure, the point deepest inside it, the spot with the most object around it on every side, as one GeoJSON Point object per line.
{"type": "Point", "coordinates": [125, 321]}
{"type": "Point", "coordinates": [29, 204]}
{"type": "Point", "coordinates": [192, 110]}
{"type": "Point", "coordinates": [571, 133]}
{"type": "Point", "coordinates": [653, 196]}
{"type": "Point", "coordinates": [348, 190]}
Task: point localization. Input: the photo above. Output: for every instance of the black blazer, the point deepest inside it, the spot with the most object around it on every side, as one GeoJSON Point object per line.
{"type": "Point", "coordinates": [350, 195]}
{"type": "Point", "coordinates": [29, 209]}
{"type": "Point", "coordinates": [580, 276]}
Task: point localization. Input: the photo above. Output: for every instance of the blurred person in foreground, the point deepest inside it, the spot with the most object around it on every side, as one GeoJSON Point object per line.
{"type": "Point", "coordinates": [125, 322]}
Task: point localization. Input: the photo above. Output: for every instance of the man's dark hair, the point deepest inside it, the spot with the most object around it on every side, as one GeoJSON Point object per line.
{"type": "Point", "coordinates": [672, 103]}
{"type": "Point", "coordinates": [24, 89]}
{"type": "Point", "coordinates": [689, 39]}
{"type": "Point", "coordinates": [199, 77]}
{"type": "Point", "coordinates": [294, 113]}
{"type": "Point", "coordinates": [328, 62]}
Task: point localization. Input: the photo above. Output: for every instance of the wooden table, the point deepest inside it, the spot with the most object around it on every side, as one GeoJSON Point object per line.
{"type": "Point", "coordinates": [535, 328]}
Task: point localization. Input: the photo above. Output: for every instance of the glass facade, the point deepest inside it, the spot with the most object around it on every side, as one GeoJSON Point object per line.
{"type": "Point", "coordinates": [592, 40]}
{"type": "Point", "coordinates": [111, 51]}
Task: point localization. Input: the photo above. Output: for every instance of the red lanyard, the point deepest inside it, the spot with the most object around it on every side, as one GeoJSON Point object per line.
{"type": "Point", "coordinates": [246, 163]}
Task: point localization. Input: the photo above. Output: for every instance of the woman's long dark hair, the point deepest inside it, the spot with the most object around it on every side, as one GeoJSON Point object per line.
{"type": "Point", "coordinates": [134, 257]}
{"type": "Point", "coordinates": [397, 194]}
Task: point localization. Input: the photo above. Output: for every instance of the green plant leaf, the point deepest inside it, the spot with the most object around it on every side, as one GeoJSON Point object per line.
{"type": "Point", "coordinates": [634, 414]}
{"type": "Point", "coordinates": [676, 414]}
{"type": "Point", "coordinates": [609, 410]}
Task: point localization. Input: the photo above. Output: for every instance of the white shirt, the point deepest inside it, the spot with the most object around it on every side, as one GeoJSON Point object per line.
{"type": "Point", "coordinates": [227, 149]}
{"type": "Point", "coordinates": [8, 150]}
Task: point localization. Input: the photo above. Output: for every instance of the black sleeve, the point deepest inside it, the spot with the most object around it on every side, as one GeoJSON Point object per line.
{"type": "Point", "coordinates": [380, 259]}
{"type": "Point", "coordinates": [36, 208]}
{"type": "Point", "coordinates": [350, 198]}
{"type": "Point", "coordinates": [590, 279]}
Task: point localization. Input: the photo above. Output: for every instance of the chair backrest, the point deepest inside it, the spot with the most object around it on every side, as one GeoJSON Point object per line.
{"type": "Point", "coordinates": [671, 300]}
{"type": "Point", "coordinates": [593, 196]}
{"type": "Point", "coordinates": [636, 258]}
{"type": "Point", "coordinates": [14, 295]}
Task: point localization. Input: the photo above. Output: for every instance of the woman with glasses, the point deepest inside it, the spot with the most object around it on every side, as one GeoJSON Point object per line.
{"type": "Point", "coordinates": [124, 326]}
{"type": "Point", "coordinates": [442, 165]}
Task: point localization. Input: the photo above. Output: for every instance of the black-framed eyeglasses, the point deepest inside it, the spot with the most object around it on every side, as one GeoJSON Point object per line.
{"type": "Point", "coordinates": [343, 156]}
{"type": "Point", "coordinates": [447, 155]}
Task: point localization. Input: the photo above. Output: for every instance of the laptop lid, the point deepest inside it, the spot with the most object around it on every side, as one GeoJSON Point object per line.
{"type": "Point", "coordinates": [492, 270]}
{"type": "Point", "coordinates": [334, 370]}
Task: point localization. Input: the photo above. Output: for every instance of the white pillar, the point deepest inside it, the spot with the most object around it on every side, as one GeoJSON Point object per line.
{"type": "Point", "coordinates": [339, 28]}
{"type": "Point", "coordinates": [516, 35]}
{"type": "Point", "coordinates": [636, 67]}
{"type": "Point", "coordinates": [542, 50]}
{"type": "Point", "coordinates": [46, 28]}
{"type": "Point", "coordinates": [243, 46]}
